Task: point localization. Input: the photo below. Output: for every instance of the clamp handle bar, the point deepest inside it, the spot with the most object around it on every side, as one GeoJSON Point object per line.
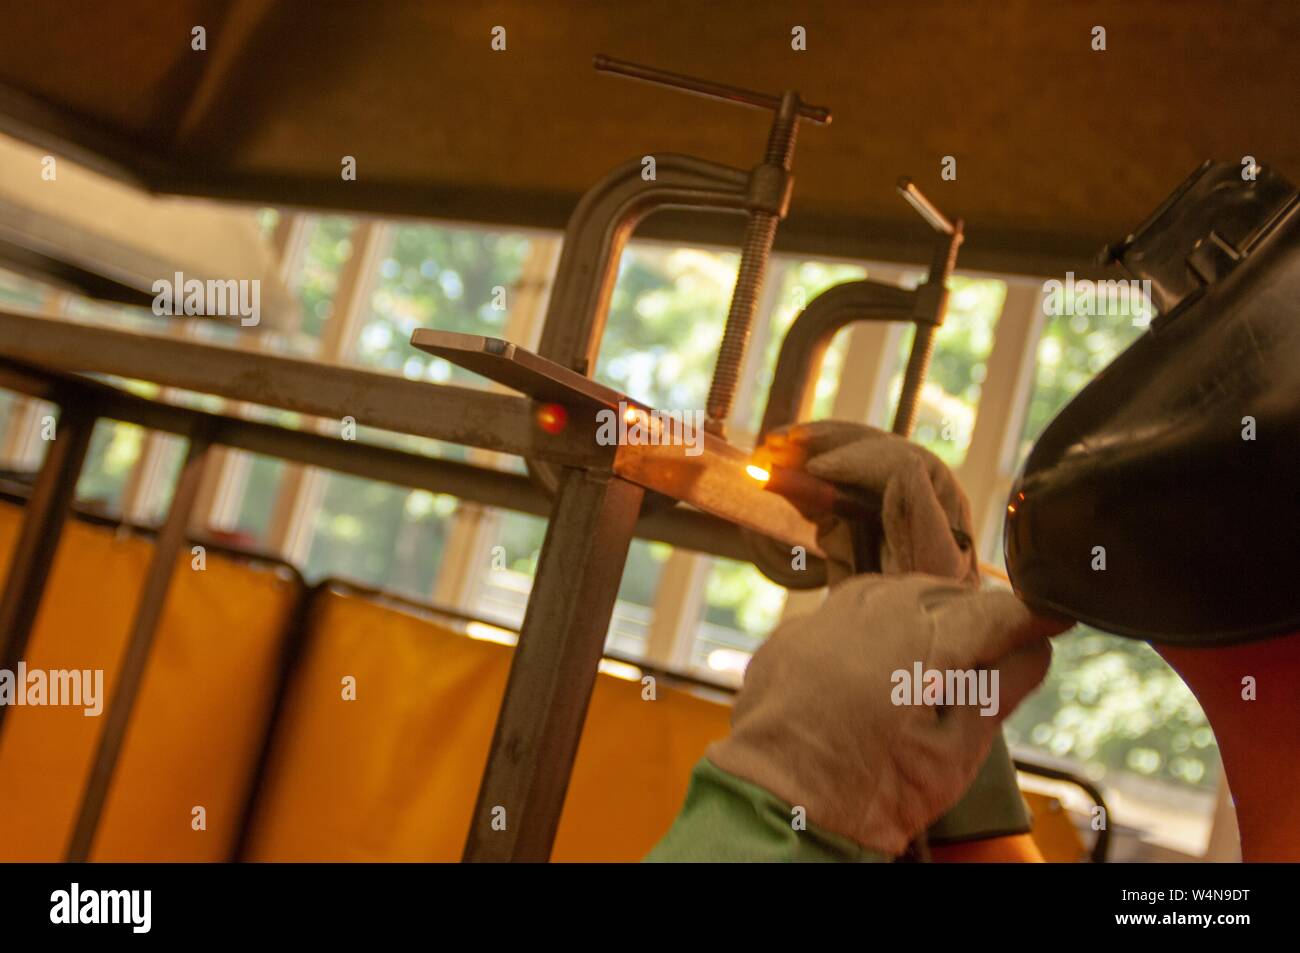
{"type": "Point", "coordinates": [704, 87]}
{"type": "Point", "coordinates": [924, 207]}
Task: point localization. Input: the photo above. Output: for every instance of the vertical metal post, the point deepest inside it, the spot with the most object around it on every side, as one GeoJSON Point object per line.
{"type": "Point", "coordinates": [554, 668]}
{"type": "Point", "coordinates": [135, 656]}
{"type": "Point", "coordinates": [38, 540]}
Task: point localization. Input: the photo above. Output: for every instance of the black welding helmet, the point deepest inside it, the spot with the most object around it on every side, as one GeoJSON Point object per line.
{"type": "Point", "coordinates": [1163, 502]}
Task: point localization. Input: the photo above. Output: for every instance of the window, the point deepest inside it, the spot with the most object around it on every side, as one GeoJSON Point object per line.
{"type": "Point", "coordinates": [327, 246]}
{"type": "Point", "coordinates": [444, 278]}
{"type": "Point", "coordinates": [950, 397]}
{"type": "Point", "coordinates": [379, 534]}
{"type": "Point", "coordinates": [429, 276]}
{"type": "Point", "coordinates": [1072, 350]}
{"type": "Point", "coordinates": [798, 283]}
{"type": "Point", "coordinates": [19, 292]}
{"type": "Point", "coordinates": [741, 609]}
{"type": "Point", "coordinates": [114, 449]}
{"type": "Point", "coordinates": [665, 324]}
{"type": "Point", "coordinates": [257, 501]}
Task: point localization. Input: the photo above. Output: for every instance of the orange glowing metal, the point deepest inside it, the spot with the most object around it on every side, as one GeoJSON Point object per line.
{"type": "Point", "coordinates": [552, 418]}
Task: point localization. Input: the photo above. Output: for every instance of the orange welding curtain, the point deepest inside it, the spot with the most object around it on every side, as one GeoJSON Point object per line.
{"type": "Point", "coordinates": [200, 715]}
{"type": "Point", "coordinates": [393, 774]}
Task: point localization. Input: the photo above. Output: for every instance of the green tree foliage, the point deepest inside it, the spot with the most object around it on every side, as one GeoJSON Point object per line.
{"type": "Point", "coordinates": [665, 323]}
{"type": "Point", "coordinates": [1072, 350]}
{"type": "Point", "coordinates": [329, 245]}
{"type": "Point", "coordinates": [1114, 705]}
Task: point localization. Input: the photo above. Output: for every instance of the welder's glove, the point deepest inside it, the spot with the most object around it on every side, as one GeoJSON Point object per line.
{"type": "Point", "coordinates": [817, 724]}
{"type": "Point", "coordinates": [927, 521]}
{"type": "Point", "coordinates": [927, 528]}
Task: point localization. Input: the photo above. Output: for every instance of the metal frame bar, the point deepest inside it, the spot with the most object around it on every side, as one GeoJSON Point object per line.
{"type": "Point", "coordinates": [135, 656]}
{"type": "Point", "coordinates": [384, 401]}
{"type": "Point", "coordinates": [1100, 849]}
{"type": "Point", "coordinates": [42, 529]}
{"type": "Point", "coordinates": [554, 668]}
{"type": "Point", "coordinates": [713, 481]}
{"type": "Point", "coordinates": [681, 526]}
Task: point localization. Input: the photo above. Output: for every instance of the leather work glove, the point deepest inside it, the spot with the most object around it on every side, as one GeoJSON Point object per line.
{"type": "Point", "coordinates": [817, 724]}
{"type": "Point", "coordinates": [927, 528]}
{"type": "Point", "coordinates": [926, 516]}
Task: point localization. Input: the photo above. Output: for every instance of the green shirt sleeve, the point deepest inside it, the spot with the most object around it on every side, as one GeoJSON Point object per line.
{"type": "Point", "coordinates": [729, 820]}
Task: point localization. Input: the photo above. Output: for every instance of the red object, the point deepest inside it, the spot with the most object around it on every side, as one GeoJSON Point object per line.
{"type": "Point", "coordinates": [1258, 734]}
{"type": "Point", "coordinates": [552, 418]}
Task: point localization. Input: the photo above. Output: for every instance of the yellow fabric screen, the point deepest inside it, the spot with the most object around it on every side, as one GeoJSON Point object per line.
{"type": "Point", "coordinates": [393, 774]}
{"type": "Point", "coordinates": [200, 716]}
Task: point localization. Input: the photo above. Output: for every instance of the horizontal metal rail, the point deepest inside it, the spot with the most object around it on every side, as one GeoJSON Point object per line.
{"type": "Point", "coordinates": [712, 481]}
{"type": "Point", "coordinates": [680, 526]}
{"type": "Point", "coordinates": [475, 418]}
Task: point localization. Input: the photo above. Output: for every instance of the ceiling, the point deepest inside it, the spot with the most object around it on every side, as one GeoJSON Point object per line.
{"type": "Point", "coordinates": [1059, 148]}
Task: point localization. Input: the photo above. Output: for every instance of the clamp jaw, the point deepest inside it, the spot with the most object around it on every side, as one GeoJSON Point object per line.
{"type": "Point", "coordinates": [608, 213]}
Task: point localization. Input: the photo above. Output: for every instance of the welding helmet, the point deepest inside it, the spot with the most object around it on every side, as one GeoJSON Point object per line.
{"type": "Point", "coordinates": [1163, 502]}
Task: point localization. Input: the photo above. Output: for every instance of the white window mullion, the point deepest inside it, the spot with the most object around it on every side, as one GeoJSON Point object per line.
{"type": "Point", "coordinates": [885, 337]}
{"type": "Point", "coordinates": [679, 606]}
{"type": "Point", "coordinates": [1003, 394]}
